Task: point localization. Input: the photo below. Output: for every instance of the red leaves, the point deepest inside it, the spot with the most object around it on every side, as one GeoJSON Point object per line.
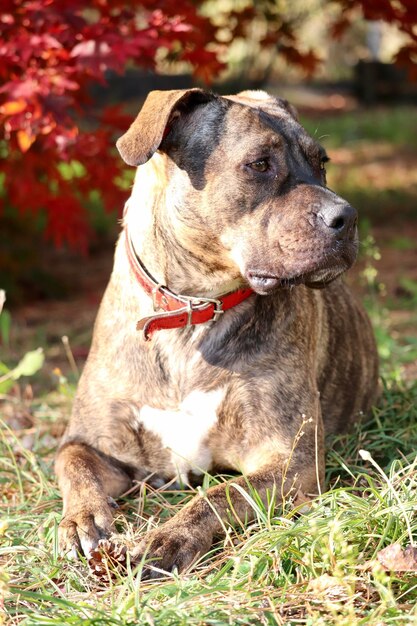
{"type": "Point", "coordinates": [407, 57]}
{"type": "Point", "coordinates": [307, 60]}
{"type": "Point", "coordinates": [51, 51]}
{"type": "Point", "coordinates": [206, 65]}
{"type": "Point", "coordinates": [66, 222]}
{"type": "Point", "coordinates": [402, 13]}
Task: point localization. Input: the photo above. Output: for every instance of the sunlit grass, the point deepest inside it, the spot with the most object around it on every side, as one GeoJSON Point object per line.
{"type": "Point", "coordinates": [373, 154]}
{"type": "Point", "coordinates": [394, 125]}
{"type": "Point", "coordinates": [316, 563]}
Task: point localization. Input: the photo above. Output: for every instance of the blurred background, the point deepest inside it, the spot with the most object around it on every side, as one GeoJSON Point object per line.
{"type": "Point", "coordinates": [72, 79]}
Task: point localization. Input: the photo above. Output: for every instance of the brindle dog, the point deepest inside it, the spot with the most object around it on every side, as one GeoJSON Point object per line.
{"type": "Point", "coordinates": [230, 196]}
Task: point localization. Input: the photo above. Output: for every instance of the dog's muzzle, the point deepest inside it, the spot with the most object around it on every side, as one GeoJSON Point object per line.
{"type": "Point", "coordinates": [338, 220]}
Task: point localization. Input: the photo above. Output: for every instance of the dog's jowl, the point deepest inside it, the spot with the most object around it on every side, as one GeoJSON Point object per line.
{"type": "Point", "coordinates": [226, 339]}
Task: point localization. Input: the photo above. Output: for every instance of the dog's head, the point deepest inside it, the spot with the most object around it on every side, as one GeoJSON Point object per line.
{"type": "Point", "coordinates": [246, 181]}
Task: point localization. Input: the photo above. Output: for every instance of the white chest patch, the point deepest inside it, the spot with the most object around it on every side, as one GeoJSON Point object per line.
{"type": "Point", "coordinates": [184, 431]}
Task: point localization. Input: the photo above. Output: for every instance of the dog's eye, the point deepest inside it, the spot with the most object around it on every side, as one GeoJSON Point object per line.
{"type": "Point", "coordinates": [262, 165]}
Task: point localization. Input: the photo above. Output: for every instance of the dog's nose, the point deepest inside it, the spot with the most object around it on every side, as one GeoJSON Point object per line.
{"type": "Point", "coordinates": [340, 219]}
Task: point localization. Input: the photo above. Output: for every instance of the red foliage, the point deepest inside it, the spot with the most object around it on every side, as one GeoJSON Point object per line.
{"type": "Point", "coordinates": [401, 13]}
{"type": "Point", "coordinates": [51, 51]}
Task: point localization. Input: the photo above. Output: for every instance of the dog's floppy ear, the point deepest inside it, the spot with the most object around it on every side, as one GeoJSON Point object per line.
{"type": "Point", "coordinates": [289, 107]}
{"type": "Point", "coordinates": [160, 109]}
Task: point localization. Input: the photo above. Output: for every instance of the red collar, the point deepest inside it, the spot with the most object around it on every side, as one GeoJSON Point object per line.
{"type": "Point", "coordinates": [177, 310]}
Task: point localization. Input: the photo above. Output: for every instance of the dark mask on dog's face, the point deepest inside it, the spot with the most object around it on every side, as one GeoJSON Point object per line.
{"type": "Point", "coordinates": [247, 170]}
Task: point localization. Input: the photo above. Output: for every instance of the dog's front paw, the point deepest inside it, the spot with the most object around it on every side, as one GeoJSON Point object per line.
{"type": "Point", "coordinates": [83, 526]}
{"type": "Point", "coordinates": [174, 546]}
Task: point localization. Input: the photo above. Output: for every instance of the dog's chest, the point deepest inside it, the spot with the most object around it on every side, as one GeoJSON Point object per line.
{"type": "Point", "coordinates": [185, 432]}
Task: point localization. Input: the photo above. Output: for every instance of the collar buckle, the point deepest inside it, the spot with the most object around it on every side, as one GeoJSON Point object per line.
{"type": "Point", "coordinates": [195, 302]}
{"type": "Point", "coordinates": [155, 290]}
{"type": "Point", "coordinates": [172, 310]}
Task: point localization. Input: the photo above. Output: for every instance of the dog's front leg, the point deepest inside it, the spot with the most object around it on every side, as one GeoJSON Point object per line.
{"type": "Point", "coordinates": [178, 543]}
{"type": "Point", "coordinates": [88, 483]}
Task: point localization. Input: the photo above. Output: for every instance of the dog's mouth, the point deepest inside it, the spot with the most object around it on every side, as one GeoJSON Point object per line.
{"type": "Point", "coordinates": [264, 283]}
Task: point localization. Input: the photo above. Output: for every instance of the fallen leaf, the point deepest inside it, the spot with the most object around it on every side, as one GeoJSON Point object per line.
{"type": "Point", "coordinates": [394, 558]}
{"type": "Point", "coordinates": [329, 587]}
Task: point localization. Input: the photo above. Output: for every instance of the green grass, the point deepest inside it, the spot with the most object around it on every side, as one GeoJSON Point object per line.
{"type": "Point", "coordinates": [317, 565]}
{"type": "Point", "coordinates": [395, 125]}
{"type": "Point", "coordinates": [373, 159]}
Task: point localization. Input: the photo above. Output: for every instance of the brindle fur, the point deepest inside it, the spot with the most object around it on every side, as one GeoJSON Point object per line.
{"type": "Point", "coordinates": [288, 365]}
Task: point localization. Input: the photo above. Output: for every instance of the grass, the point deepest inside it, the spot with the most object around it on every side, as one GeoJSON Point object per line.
{"type": "Point", "coordinates": [373, 154]}
{"type": "Point", "coordinates": [314, 566]}
{"type": "Point", "coordinates": [394, 125]}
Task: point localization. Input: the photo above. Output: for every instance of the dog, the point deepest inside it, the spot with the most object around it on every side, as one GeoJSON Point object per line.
{"type": "Point", "coordinates": [226, 340]}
